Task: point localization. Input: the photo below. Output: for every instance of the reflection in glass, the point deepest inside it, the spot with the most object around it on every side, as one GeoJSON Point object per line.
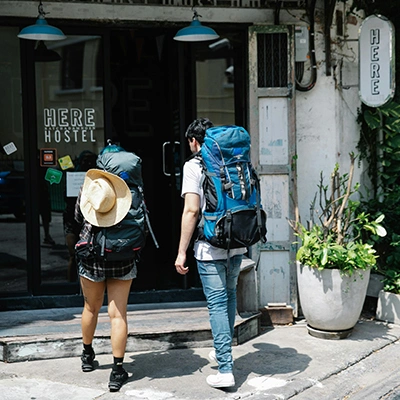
{"type": "Point", "coordinates": [215, 82]}
{"type": "Point", "coordinates": [72, 66]}
{"type": "Point", "coordinates": [13, 264]}
{"type": "Point", "coordinates": [70, 120]}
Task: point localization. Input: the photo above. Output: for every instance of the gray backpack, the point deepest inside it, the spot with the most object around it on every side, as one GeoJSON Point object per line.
{"type": "Point", "coordinates": [126, 239]}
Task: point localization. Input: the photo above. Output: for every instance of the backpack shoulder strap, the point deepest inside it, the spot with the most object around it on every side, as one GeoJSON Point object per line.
{"type": "Point", "coordinates": [196, 155]}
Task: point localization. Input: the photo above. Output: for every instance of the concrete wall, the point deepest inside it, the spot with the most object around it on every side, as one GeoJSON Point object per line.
{"type": "Point", "coordinates": [326, 116]}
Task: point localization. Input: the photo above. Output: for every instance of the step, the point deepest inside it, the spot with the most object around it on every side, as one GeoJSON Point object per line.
{"type": "Point", "coordinates": [56, 333]}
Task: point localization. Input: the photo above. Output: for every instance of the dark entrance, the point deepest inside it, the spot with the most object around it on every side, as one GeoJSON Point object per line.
{"type": "Point", "coordinates": [141, 89]}
{"type": "Point", "coordinates": [145, 119]}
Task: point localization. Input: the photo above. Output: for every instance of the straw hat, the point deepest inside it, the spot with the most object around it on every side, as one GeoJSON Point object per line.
{"type": "Point", "coordinates": [105, 198]}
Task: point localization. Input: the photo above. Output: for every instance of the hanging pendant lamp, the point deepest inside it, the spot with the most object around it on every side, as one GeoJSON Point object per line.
{"type": "Point", "coordinates": [41, 30]}
{"type": "Point", "coordinates": [196, 32]}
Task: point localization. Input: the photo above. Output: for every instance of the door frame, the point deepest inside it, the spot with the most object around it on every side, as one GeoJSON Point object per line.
{"type": "Point", "coordinates": [277, 270]}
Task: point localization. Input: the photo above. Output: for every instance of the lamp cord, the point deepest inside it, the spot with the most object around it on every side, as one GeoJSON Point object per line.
{"type": "Point", "coordinates": [40, 9]}
{"type": "Point", "coordinates": [195, 14]}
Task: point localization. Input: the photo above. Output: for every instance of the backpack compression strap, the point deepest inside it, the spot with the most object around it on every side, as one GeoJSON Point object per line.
{"type": "Point", "coordinates": [259, 222]}
{"type": "Point", "coordinates": [240, 171]}
{"type": "Point", "coordinates": [146, 215]}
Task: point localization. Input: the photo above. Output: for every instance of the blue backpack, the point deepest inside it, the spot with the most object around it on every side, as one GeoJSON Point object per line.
{"type": "Point", "coordinates": [233, 216]}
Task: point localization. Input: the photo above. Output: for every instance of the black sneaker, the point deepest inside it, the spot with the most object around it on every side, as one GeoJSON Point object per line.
{"type": "Point", "coordinates": [87, 361]}
{"type": "Point", "coordinates": [49, 240]}
{"type": "Point", "coordinates": [117, 379]}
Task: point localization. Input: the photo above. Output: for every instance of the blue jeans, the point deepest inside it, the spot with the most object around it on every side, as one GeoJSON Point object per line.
{"type": "Point", "coordinates": [219, 286]}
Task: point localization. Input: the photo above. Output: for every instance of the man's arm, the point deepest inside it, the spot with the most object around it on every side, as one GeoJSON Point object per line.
{"type": "Point", "coordinates": [190, 217]}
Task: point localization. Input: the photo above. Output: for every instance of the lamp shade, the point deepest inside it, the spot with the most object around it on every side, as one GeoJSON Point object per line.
{"type": "Point", "coordinates": [41, 31]}
{"type": "Point", "coordinates": [196, 32]}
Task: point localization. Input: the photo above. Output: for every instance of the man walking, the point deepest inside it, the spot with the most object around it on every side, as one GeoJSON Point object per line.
{"type": "Point", "coordinates": [218, 274]}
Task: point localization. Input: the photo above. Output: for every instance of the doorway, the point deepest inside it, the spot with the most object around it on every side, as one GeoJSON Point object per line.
{"type": "Point", "coordinates": [145, 120]}
{"type": "Point", "coordinates": [141, 89]}
{"type": "Point", "coordinates": [158, 87]}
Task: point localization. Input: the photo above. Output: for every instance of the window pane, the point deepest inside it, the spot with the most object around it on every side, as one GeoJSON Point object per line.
{"type": "Point", "coordinates": [13, 263]}
{"type": "Point", "coordinates": [215, 82]}
{"type": "Point", "coordinates": [70, 135]}
{"type": "Point", "coordinates": [72, 66]}
{"type": "Point", "coordinates": [272, 60]}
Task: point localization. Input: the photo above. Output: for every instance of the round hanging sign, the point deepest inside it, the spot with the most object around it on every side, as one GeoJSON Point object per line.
{"type": "Point", "coordinates": [376, 61]}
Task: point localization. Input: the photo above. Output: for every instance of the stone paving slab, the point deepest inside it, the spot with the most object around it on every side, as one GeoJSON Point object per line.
{"type": "Point", "coordinates": [55, 333]}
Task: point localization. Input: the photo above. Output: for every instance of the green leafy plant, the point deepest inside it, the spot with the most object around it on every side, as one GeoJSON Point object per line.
{"type": "Point", "coordinates": [379, 144]}
{"type": "Point", "coordinates": [340, 238]}
{"type": "Point", "coordinates": [391, 282]}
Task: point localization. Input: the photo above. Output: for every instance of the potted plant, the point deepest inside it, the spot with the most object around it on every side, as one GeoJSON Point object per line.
{"type": "Point", "coordinates": [386, 273]}
{"type": "Point", "coordinates": [388, 304]}
{"type": "Point", "coordinates": [335, 257]}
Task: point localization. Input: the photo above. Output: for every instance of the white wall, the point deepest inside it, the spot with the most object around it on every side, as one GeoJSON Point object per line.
{"type": "Point", "coordinates": [326, 116]}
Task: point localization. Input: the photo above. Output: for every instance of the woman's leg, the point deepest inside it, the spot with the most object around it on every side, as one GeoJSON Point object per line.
{"type": "Point", "coordinates": [118, 293]}
{"type": "Point", "coordinates": [93, 294]}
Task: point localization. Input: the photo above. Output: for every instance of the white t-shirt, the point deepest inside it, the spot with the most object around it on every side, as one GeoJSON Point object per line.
{"type": "Point", "coordinates": [192, 182]}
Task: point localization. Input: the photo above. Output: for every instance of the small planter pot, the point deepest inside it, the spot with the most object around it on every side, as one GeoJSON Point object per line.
{"type": "Point", "coordinates": [331, 303]}
{"type": "Point", "coordinates": [375, 285]}
{"type": "Point", "coordinates": [388, 308]}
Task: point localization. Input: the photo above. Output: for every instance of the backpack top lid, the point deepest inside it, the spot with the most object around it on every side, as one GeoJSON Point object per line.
{"type": "Point", "coordinates": [230, 141]}
{"type": "Point", "coordinates": [124, 164]}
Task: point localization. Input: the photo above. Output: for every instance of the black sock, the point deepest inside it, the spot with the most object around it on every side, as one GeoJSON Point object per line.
{"type": "Point", "coordinates": [88, 348]}
{"type": "Point", "coordinates": [118, 361]}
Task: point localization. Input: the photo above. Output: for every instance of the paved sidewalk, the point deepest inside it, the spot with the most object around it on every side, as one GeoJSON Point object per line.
{"type": "Point", "coordinates": [56, 333]}
{"type": "Point", "coordinates": [282, 363]}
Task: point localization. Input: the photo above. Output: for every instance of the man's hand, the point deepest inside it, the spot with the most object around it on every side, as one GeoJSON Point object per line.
{"type": "Point", "coordinates": [180, 265]}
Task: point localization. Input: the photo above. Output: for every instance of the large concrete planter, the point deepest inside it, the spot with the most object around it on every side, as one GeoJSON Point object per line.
{"type": "Point", "coordinates": [388, 308]}
{"type": "Point", "coordinates": [331, 303]}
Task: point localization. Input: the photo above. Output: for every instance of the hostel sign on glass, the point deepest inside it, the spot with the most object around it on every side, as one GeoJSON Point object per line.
{"type": "Point", "coordinates": [376, 61]}
{"type": "Point", "coordinates": [69, 125]}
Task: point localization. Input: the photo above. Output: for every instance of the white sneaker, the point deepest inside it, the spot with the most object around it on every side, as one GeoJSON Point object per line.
{"type": "Point", "coordinates": [221, 380]}
{"type": "Point", "coordinates": [212, 356]}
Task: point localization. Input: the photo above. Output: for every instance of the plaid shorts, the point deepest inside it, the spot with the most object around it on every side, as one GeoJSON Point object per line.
{"type": "Point", "coordinates": [101, 278]}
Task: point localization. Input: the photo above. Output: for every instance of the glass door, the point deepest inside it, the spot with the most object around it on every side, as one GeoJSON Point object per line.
{"type": "Point", "coordinates": [145, 114]}
{"type": "Point", "coordinates": [140, 88]}
{"type": "Point", "coordinates": [13, 249]}
{"type": "Point", "coordinates": [70, 134]}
